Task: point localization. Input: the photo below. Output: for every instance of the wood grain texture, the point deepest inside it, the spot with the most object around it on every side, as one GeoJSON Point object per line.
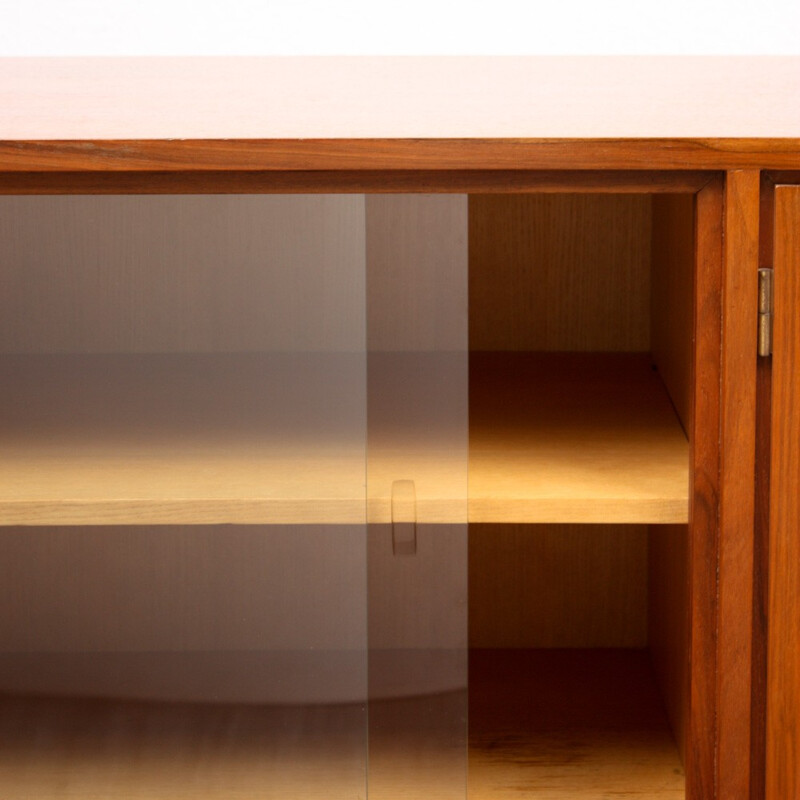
{"type": "Point", "coordinates": [783, 671]}
{"type": "Point", "coordinates": [671, 297]}
{"type": "Point", "coordinates": [537, 586]}
{"type": "Point", "coordinates": [734, 652]}
{"type": "Point", "coordinates": [668, 622]}
{"type": "Point", "coordinates": [701, 730]}
{"type": "Point", "coordinates": [758, 741]}
{"type": "Point", "coordinates": [558, 725]}
{"type": "Point", "coordinates": [469, 153]}
{"type": "Point", "coordinates": [341, 180]}
{"type": "Point", "coordinates": [573, 437]}
{"type": "Point", "coordinates": [232, 114]}
{"type": "Point", "coordinates": [559, 272]}
{"type": "Point", "coordinates": [758, 737]}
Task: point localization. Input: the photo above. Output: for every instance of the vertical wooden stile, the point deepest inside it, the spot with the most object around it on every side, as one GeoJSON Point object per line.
{"type": "Point", "coordinates": [701, 733]}
{"type": "Point", "coordinates": [783, 648]}
{"type": "Point", "coordinates": [737, 475]}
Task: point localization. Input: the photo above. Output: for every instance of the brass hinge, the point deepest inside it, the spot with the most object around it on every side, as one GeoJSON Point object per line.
{"type": "Point", "coordinates": [765, 290]}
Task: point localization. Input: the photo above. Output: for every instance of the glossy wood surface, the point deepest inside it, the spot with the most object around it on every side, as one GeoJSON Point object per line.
{"type": "Point", "coordinates": [29, 160]}
{"type": "Point", "coordinates": [737, 500]}
{"type": "Point", "coordinates": [701, 731]}
{"type": "Point", "coordinates": [758, 746]}
{"type": "Point", "coordinates": [783, 668]}
{"type": "Point", "coordinates": [242, 114]}
{"type": "Point", "coordinates": [758, 693]}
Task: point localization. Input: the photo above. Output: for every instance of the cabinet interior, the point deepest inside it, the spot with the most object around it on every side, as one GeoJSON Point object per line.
{"type": "Point", "coordinates": [564, 600]}
{"type": "Point", "coordinates": [582, 622]}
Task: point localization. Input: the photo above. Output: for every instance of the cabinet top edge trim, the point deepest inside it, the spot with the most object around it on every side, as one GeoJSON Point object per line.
{"type": "Point", "coordinates": [396, 156]}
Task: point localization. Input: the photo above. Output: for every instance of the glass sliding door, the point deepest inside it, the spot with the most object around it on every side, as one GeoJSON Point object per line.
{"type": "Point", "coordinates": [417, 495]}
{"type": "Point", "coordinates": [183, 554]}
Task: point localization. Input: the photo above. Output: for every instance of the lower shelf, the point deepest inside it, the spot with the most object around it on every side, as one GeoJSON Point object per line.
{"type": "Point", "coordinates": [61, 748]}
{"type": "Point", "coordinates": [546, 724]}
{"type": "Point", "coordinates": [560, 724]}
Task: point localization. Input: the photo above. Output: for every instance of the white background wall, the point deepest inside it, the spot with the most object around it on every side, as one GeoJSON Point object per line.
{"type": "Point", "coordinates": [356, 27]}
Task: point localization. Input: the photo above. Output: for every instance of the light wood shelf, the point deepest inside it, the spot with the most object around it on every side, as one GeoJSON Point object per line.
{"type": "Point", "coordinates": [182, 439]}
{"type": "Point", "coordinates": [574, 438]}
{"type": "Point", "coordinates": [232, 438]}
{"type": "Point", "coordinates": [551, 724]}
{"type": "Point", "coordinates": [81, 748]}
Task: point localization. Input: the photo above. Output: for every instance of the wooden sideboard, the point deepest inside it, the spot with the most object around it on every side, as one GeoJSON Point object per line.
{"type": "Point", "coordinates": [396, 427]}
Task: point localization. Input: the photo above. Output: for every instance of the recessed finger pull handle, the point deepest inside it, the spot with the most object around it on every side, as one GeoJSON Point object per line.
{"type": "Point", "coordinates": [404, 518]}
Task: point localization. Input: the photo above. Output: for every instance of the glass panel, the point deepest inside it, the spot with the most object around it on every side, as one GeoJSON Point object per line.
{"type": "Point", "coordinates": [183, 434]}
{"type": "Point", "coordinates": [417, 495]}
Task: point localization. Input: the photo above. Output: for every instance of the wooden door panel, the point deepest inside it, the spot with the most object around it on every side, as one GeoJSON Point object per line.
{"type": "Point", "coordinates": [783, 672]}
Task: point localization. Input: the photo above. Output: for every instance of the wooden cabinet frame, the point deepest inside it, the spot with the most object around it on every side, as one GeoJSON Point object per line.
{"type": "Point", "coordinates": [720, 566]}
{"type": "Point", "coordinates": [733, 749]}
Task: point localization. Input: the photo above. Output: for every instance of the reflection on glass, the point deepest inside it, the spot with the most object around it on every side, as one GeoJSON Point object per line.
{"type": "Point", "coordinates": [146, 661]}
{"type": "Point", "coordinates": [183, 362]}
{"type": "Point", "coordinates": [417, 496]}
